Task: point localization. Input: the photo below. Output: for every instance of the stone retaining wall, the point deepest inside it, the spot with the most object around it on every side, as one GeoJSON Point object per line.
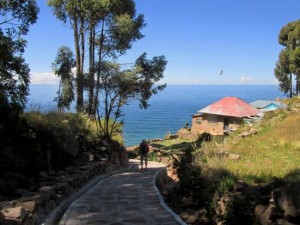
{"type": "Point", "coordinates": [35, 206]}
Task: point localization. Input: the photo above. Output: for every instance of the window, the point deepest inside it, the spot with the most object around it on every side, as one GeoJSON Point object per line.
{"type": "Point", "coordinates": [198, 121]}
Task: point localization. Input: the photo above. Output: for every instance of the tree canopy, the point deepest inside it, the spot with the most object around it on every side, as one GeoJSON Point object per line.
{"type": "Point", "coordinates": [62, 67]}
{"type": "Point", "coordinates": [112, 26]}
{"type": "Point", "coordinates": [15, 19]}
{"type": "Point", "coordinates": [288, 65]}
{"type": "Point", "coordinates": [108, 28]}
{"type": "Point", "coordinates": [120, 87]}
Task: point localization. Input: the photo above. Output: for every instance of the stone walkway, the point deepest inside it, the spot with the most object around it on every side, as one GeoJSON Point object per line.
{"type": "Point", "coordinates": [122, 199]}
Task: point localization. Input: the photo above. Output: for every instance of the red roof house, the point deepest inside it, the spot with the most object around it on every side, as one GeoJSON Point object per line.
{"type": "Point", "coordinates": [225, 114]}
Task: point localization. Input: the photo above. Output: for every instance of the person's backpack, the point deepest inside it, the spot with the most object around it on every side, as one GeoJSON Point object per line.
{"type": "Point", "coordinates": [144, 148]}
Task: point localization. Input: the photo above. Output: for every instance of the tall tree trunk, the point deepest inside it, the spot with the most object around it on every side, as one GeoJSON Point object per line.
{"type": "Point", "coordinates": [291, 85]}
{"type": "Point", "coordinates": [96, 102]}
{"type": "Point", "coordinates": [297, 86]}
{"type": "Point", "coordinates": [82, 45]}
{"type": "Point", "coordinates": [79, 75]}
{"type": "Point", "coordinates": [91, 79]}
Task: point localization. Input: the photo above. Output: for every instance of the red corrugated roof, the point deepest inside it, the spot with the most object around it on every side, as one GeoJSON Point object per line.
{"type": "Point", "coordinates": [231, 106]}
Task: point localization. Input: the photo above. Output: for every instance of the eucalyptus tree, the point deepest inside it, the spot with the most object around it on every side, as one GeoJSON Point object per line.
{"type": "Point", "coordinates": [15, 19]}
{"type": "Point", "coordinates": [62, 67]}
{"type": "Point", "coordinates": [72, 11]}
{"type": "Point", "coordinates": [120, 87]}
{"type": "Point", "coordinates": [114, 27]}
{"type": "Point", "coordinates": [288, 65]}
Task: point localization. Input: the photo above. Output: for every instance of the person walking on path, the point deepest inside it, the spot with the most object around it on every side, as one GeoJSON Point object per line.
{"type": "Point", "coordinates": [144, 150]}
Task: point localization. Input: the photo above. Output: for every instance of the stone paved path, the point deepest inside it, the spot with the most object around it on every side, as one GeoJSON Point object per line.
{"type": "Point", "coordinates": [122, 199]}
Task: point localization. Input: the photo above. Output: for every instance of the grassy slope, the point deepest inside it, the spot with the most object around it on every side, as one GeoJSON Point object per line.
{"type": "Point", "coordinates": [273, 152]}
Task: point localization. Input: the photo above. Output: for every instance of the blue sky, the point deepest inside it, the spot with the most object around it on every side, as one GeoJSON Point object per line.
{"type": "Point", "coordinates": [198, 37]}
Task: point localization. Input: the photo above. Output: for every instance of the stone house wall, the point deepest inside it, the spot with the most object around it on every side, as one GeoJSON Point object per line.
{"type": "Point", "coordinates": [214, 124]}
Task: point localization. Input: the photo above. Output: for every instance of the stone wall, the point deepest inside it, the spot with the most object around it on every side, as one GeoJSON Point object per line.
{"type": "Point", "coordinates": [213, 124]}
{"type": "Point", "coordinates": [53, 188]}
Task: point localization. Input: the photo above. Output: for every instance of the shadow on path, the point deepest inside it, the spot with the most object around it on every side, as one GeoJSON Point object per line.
{"type": "Point", "coordinates": [126, 198]}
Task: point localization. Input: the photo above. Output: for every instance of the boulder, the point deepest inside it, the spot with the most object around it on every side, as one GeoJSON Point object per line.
{"type": "Point", "coordinates": [86, 157]}
{"type": "Point", "coordinates": [245, 134]}
{"type": "Point", "coordinates": [253, 131]}
{"type": "Point", "coordinates": [287, 199]}
{"type": "Point", "coordinates": [259, 212]}
{"type": "Point", "coordinates": [14, 215]}
{"type": "Point", "coordinates": [1, 218]}
{"type": "Point", "coordinates": [189, 216]}
{"type": "Point", "coordinates": [266, 215]}
{"type": "Point", "coordinates": [29, 205]}
{"type": "Point", "coordinates": [43, 176]}
{"type": "Point", "coordinates": [233, 156]}
{"type": "Point", "coordinates": [62, 188]}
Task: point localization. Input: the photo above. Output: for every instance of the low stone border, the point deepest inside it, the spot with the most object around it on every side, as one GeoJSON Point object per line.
{"type": "Point", "coordinates": [158, 180]}
{"type": "Point", "coordinates": [54, 196]}
{"type": "Point", "coordinates": [55, 216]}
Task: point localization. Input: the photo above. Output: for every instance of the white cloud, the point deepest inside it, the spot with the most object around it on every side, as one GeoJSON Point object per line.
{"type": "Point", "coordinates": [186, 80]}
{"type": "Point", "coordinates": [246, 79]}
{"type": "Point", "coordinates": [43, 78]}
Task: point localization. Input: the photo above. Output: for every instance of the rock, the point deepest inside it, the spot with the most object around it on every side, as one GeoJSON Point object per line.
{"type": "Point", "coordinates": [16, 215]}
{"type": "Point", "coordinates": [262, 213]}
{"type": "Point", "coordinates": [21, 192]}
{"type": "Point", "coordinates": [103, 143]}
{"type": "Point", "coordinates": [283, 222]}
{"type": "Point", "coordinates": [72, 180]}
{"type": "Point", "coordinates": [102, 149]}
{"type": "Point", "coordinates": [189, 216]}
{"type": "Point", "coordinates": [287, 199]}
{"type": "Point", "coordinates": [204, 221]}
{"type": "Point", "coordinates": [253, 131]}
{"type": "Point", "coordinates": [191, 219]}
{"type": "Point", "coordinates": [38, 199]}
{"type": "Point", "coordinates": [86, 157]}
{"type": "Point", "coordinates": [172, 136]}
{"type": "Point", "coordinates": [259, 212]}
{"type": "Point", "coordinates": [275, 213]}
{"type": "Point", "coordinates": [222, 154]}
{"type": "Point", "coordinates": [62, 188]}
{"type": "Point", "coordinates": [28, 205]}
{"type": "Point", "coordinates": [233, 156]}
{"type": "Point", "coordinates": [245, 134]}
{"type": "Point", "coordinates": [43, 176]}
{"type": "Point", "coordinates": [1, 218]}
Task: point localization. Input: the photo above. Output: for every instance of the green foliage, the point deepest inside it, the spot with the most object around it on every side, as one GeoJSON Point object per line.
{"type": "Point", "coordinates": [289, 58]}
{"type": "Point", "coordinates": [152, 157]}
{"type": "Point", "coordinates": [17, 16]}
{"type": "Point", "coordinates": [226, 183]}
{"type": "Point", "coordinates": [120, 87]}
{"type": "Point", "coordinates": [62, 67]}
{"type": "Point", "coordinates": [113, 26]}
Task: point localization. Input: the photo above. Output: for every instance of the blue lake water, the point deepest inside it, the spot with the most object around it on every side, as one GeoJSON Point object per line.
{"type": "Point", "coordinates": [169, 110]}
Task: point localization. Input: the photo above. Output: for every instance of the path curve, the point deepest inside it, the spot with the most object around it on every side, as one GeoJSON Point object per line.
{"type": "Point", "coordinates": [125, 198]}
